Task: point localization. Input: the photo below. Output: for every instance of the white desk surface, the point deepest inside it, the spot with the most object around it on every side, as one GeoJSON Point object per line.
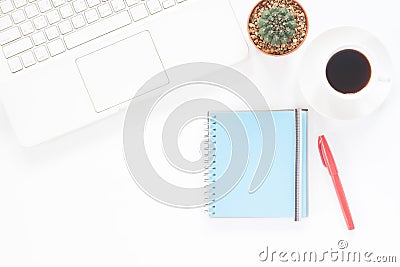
{"type": "Point", "coordinates": [72, 202]}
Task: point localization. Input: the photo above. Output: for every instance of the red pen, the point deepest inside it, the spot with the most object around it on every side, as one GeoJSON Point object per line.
{"type": "Point", "coordinates": [329, 163]}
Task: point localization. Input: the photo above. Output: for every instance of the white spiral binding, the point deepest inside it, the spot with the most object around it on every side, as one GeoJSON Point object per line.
{"type": "Point", "coordinates": [209, 161]}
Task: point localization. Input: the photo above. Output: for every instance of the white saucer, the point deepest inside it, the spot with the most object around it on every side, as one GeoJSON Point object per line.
{"type": "Point", "coordinates": [317, 90]}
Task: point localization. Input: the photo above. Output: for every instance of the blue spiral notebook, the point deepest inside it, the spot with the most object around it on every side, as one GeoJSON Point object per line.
{"type": "Point", "coordinates": [258, 171]}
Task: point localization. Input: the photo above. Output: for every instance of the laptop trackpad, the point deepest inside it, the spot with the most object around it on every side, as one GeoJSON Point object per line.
{"type": "Point", "coordinates": [113, 75]}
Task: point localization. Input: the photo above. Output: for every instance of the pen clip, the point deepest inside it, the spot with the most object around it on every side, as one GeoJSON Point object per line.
{"type": "Point", "coordinates": [321, 153]}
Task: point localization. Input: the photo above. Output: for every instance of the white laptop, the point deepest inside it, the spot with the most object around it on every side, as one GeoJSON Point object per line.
{"type": "Point", "coordinates": [67, 63]}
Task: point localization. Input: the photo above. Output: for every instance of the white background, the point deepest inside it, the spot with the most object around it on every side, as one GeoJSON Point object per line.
{"type": "Point", "coordinates": [72, 202]}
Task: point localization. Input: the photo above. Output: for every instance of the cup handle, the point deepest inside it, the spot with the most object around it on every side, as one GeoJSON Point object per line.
{"type": "Point", "coordinates": [383, 79]}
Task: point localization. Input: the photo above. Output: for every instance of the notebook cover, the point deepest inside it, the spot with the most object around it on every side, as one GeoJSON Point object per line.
{"type": "Point", "coordinates": [276, 196]}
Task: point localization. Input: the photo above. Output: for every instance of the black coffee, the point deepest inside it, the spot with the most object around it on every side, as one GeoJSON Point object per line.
{"type": "Point", "coordinates": [348, 71]}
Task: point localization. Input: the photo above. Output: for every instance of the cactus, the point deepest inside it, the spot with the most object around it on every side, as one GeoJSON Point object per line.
{"type": "Point", "coordinates": [276, 26]}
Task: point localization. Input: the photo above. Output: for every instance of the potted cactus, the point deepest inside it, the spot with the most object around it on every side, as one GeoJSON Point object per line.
{"type": "Point", "coordinates": [278, 27]}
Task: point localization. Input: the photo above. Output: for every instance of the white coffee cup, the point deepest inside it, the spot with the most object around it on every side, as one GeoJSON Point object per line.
{"type": "Point", "coordinates": [319, 92]}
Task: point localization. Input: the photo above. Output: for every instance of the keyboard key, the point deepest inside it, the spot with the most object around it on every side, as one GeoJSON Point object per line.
{"type": "Point", "coordinates": [17, 47]}
{"type": "Point", "coordinates": [9, 35]}
{"type": "Point", "coordinates": [66, 11]}
{"type": "Point", "coordinates": [105, 10]}
{"type": "Point", "coordinates": [27, 28]}
{"type": "Point", "coordinates": [53, 16]}
{"type": "Point", "coordinates": [15, 64]}
{"type": "Point", "coordinates": [28, 59]}
{"type": "Point", "coordinates": [91, 15]}
{"type": "Point", "coordinates": [79, 5]}
{"type": "Point", "coordinates": [139, 12]}
{"type": "Point", "coordinates": [41, 53]}
{"type": "Point", "coordinates": [5, 22]}
{"type": "Point", "coordinates": [31, 11]}
{"type": "Point", "coordinates": [168, 3]}
{"type": "Point", "coordinates": [56, 47]}
{"type": "Point", "coordinates": [44, 5]}
{"type": "Point", "coordinates": [154, 6]}
{"type": "Point", "coordinates": [38, 38]}
{"type": "Point", "coordinates": [18, 16]}
{"type": "Point", "coordinates": [40, 22]}
{"type": "Point", "coordinates": [52, 32]}
{"type": "Point", "coordinates": [78, 21]}
{"type": "Point", "coordinates": [97, 29]}
{"type": "Point", "coordinates": [131, 2]}
{"type": "Point", "coordinates": [6, 6]}
{"type": "Point", "coordinates": [118, 5]}
{"type": "Point", "coordinates": [19, 3]}
{"type": "Point", "coordinates": [65, 27]}
{"type": "Point", "coordinates": [58, 3]}
{"type": "Point", "coordinates": [92, 3]}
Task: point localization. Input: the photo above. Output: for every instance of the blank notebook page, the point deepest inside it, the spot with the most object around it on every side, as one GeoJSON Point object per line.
{"type": "Point", "coordinates": [276, 196]}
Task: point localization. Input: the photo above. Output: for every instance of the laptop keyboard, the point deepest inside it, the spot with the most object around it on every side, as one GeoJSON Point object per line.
{"type": "Point", "coordinates": [33, 31]}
